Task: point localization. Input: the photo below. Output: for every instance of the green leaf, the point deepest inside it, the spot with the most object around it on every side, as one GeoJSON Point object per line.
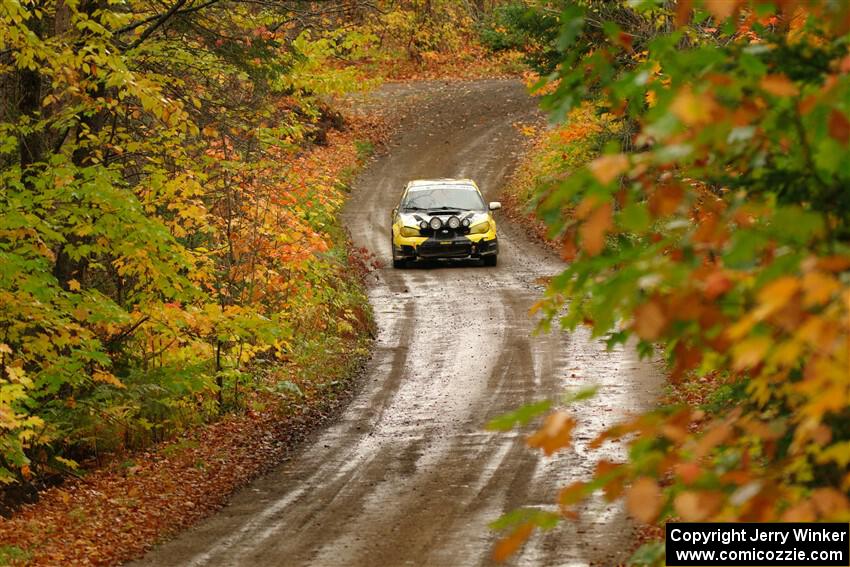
{"type": "Point", "coordinates": [520, 416]}
{"type": "Point", "coordinates": [540, 518]}
{"type": "Point", "coordinates": [651, 554]}
{"type": "Point", "coordinates": [634, 217]}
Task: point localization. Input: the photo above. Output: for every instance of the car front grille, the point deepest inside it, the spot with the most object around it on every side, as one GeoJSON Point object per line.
{"type": "Point", "coordinates": [444, 249]}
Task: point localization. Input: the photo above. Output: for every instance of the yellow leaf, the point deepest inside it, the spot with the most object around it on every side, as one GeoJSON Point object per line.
{"type": "Point", "coordinates": [107, 378]}
{"type": "Point", "coordinates": [651, 98]}
{"type": "Point", "coordinates": [608, 167]}
{"type": "Point", "coordinates": [74, 285]}
{"type": "Point", "coordinates": [787, 353]}
{"type": "Point", "coordinates": [838, 453]}
{"type": "Point", "coordinates": [775, 295]}
{"type": "Point", "coordinates": [16, 373]}
{"type": "Point", "coordinates": [750, 352]}
{"type": "Point", "coordinates": [643, 499]}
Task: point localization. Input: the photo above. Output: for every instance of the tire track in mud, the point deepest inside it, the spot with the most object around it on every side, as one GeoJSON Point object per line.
{"type": "Point", "coordinates": [407, 476]}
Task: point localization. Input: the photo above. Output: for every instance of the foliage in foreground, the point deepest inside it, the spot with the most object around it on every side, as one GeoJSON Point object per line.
{"type": "Point", "coordinates": [718, 231]}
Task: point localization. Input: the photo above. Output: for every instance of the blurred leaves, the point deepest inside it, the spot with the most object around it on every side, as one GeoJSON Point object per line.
{"type": "Point", "coordinates": [716, 231]}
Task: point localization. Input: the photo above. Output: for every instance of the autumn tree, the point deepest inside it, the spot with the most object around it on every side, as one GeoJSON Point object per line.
{"type": "Point", "coordinates": [151, 243]}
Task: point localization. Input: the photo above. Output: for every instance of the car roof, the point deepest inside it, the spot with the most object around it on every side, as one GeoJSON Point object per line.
{"type": "Point", "coordinates": [441, 181]}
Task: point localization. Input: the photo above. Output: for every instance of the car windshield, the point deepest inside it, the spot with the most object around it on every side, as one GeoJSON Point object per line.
{"type": "Point", "coordinates": [465, 198]}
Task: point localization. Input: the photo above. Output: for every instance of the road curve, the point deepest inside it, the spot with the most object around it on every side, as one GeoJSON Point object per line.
{"type": "Point", "coordinates": [407, 476]}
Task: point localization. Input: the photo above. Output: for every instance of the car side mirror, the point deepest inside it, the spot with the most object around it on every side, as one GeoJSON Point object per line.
{"type": "Point", "coordinates": [495, 205]}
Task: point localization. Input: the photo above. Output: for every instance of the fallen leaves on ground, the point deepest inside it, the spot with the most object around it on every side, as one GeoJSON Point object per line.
{"type": "Point", "coordinates": [115, 513]}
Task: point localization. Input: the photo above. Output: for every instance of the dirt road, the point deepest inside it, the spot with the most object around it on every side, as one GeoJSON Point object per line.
{"type": "Point", "coordinates": [407, 476]}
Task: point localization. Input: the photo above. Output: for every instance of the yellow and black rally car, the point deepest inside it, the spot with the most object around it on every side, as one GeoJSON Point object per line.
{"type": "Point", "coordinates": [443, 218]}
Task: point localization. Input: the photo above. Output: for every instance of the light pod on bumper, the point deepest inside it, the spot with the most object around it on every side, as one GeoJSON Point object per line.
{"type": "Point", "coordinates": [454, 223]}
{"type": "Point", "coordinates": [465, 223]}
{"type": "Point", "coordinates": [423, 225]}
{"type": "Point", "coordinates": [436, 223]}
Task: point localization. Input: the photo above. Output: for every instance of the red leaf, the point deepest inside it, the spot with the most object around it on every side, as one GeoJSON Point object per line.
{"type": "Point", "coordinates": [839, 126]}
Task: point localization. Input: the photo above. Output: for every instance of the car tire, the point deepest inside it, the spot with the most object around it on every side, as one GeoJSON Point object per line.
{"type": "Point", "coordinates": [399, 264]}
{"type": "Point", "coordinates": [491, 260]}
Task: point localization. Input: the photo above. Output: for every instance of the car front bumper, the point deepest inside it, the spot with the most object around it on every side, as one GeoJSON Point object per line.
{"type": "Point", "coordinates": [467, 246]}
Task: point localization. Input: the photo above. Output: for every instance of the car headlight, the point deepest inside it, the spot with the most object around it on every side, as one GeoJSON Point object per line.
{"type": "Point", "coordinates": [453, 223]}
{"type": "Point", "coordinates": [409, 231]}
{"type": "Point", "coordinates": [436, 223]}
{"type": "Point", "coordinates": [480, 228]}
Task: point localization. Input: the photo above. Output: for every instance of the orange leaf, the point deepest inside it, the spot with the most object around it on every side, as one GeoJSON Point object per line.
{"type": "Point", "coordinates": [829, 502]}
{"type": "Point", "coordinates": [665, 199]}
{"type": "Point", "coordinates": [508, 546]}
{"type": "Point", "coordinates": [715, 436]}
{"type": "Point", "coordinates": [716, 284]}
{"type": "Point", "coordinates": [555, 434]}
{"type": "Point", "coordinates": [834, 263]}
{"type": "Point", "coordinates": [643, 499]}
{"type": "Point", "coordinates": [569, 249]}
{"type": "Point", "coordinates": [801, 512]}
{"type": "Point", "coordinates": [693, 109]}
{"type": "Point", "coordinates": [650, 321]}
{"type": "Point", "coordinates": [594, 229]}
{"type": "Point", "coordinates": [818, 288]}
{"type": "Point", "coordinates": [608, 167]}
{"type": "Point", "coordinates": [613, 487]}
{"type": "Point", "coordinates": [688, 472]}
{"type": "Point", "coordinates": [688, 506]}
{"type": "Point", "coordinates": [779, 85]}
{"type": "Point", "coordinates": [721, 9]}
{"type": "Point", "coordinates": [571, 494]}
{"type": "Point", "coordinates": [683, 12]}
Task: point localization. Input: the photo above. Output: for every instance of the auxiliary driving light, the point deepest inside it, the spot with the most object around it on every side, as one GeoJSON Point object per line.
{"type": "Point", "coordinates": [436, 223]}
{"type": "Point", "coordinates": [465, 223]}
{"type": "Point", "coordinates": [423, 225]}
{"type": "Point", "coordinates": [453, 223]}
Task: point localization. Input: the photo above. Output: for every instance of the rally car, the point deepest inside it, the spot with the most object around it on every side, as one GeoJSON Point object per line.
{"type": "Point", "coordinates": [443, 218]}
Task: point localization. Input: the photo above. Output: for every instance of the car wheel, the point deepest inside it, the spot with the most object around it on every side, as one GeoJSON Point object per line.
{"type": "Point", "coordinates": [491, 260]}
{"type": "Point", "coordinates": [399, 264]}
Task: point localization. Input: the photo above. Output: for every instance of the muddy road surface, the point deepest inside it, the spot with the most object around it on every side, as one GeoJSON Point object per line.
{"type": "Point", "coordinates": [407, 475]}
